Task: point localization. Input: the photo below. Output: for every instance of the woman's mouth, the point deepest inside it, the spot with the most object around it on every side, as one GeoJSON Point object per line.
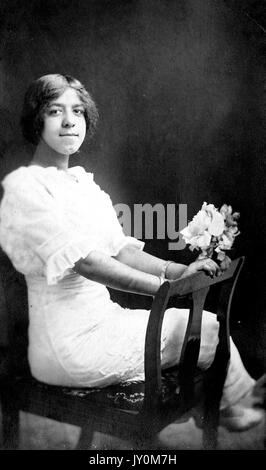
{"type": "Point", "coordinates": [68, 135]}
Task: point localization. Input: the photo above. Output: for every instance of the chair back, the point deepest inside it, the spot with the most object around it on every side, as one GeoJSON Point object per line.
{"type": "Point", "coordinates": [15, 303]}
{"type": "Point", "coordinates": [193, 291]}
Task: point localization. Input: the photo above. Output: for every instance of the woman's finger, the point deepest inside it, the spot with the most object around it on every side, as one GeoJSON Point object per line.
{"type": "Point", "coordinates": [211, 267]}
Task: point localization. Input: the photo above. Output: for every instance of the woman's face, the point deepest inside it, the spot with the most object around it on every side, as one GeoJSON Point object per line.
{"type": "Point", "coordinates": [64, 123]}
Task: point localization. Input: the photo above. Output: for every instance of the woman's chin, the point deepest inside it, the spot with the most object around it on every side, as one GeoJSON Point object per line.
{"type": "Point", "coordinates": [69, 150]}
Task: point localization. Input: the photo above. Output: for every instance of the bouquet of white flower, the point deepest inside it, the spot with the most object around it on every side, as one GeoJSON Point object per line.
{"type": "Point", "coordinates": [212, 231]}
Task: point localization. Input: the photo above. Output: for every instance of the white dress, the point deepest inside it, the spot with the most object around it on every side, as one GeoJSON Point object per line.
{"type": "Point", "coordinates": [49, 219]}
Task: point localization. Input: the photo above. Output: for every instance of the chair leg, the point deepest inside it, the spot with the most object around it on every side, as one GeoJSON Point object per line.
{"type": "Point", "coordinates": [211, 413]}
{"type": "Point", "coordinates": [213, 389]}
{"type": "Point", "coordinates": [86, 437]}
{"type": "Point", "coordinates": [210, 429]}
{"type": "Point", "coordinates": [10, 422]}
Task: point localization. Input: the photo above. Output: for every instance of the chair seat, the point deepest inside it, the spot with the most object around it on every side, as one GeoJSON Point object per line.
{"type": "Point", "coordinates": [127, 396]}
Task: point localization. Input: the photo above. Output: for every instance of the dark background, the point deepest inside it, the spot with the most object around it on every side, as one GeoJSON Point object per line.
{"type": "Point", "coordinates": [180, 87]}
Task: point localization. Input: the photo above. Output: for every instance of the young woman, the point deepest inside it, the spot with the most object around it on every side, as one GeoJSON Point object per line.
{"type": "Point", "coordinates": [60, 230]}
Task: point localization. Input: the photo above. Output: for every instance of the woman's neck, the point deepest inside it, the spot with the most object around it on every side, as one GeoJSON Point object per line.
{"type": "Point", "coordinates": [45, 156]}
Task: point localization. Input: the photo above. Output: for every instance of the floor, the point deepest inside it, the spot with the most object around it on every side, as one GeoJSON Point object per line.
{"type": "Point", "coordinates": [44, 434]}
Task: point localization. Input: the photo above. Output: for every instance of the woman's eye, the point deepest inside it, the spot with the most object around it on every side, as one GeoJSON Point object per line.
{"type": "Point", "coordinates": [54, 112]}
{"type": "Point", "coordinates": [79, 111]}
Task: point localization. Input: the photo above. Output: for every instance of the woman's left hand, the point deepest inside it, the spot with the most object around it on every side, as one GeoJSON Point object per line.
{"type": "Point", "coordinates": [203, 264]}
{"type": "Point", "coordinates": [209, 266]}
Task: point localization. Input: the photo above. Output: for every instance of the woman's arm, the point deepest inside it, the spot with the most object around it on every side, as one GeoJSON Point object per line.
{"type": "Point", "coordinates": [138, 259]}
{"type": "Point", "coordinates": [115, 274]}
{"type": "Point", "coordinates": [118, 274]}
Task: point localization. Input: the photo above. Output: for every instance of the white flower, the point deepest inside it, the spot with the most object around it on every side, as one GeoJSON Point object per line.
{"type": "Point", "coordinates": [199, 223]}
{"type": "Point", "coordinates": [204, 240]}
{"type": "Point", "coordinates": [211, 230]}
{"type": "Point", "coordinates": [216, 227]}
{"type": "Point", "coordinates": [199, 241]}
{"type": "Point", "coordinates": [226, 210]}
{"type": "Point", "coordinates": [225, 243]}
{"type": "Point", "coordinates": [208, 220]}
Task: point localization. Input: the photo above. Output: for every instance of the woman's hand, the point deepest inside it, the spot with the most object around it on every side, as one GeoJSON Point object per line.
{"type": "Point", "coordinates": [209, 266]}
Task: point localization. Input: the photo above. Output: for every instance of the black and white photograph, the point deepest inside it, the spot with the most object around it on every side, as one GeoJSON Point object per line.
{"type": "Point", "coordinates": [132, 228]}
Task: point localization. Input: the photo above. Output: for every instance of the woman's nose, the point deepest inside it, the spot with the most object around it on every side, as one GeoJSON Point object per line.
{"type": "Point", "coordinates": [68, 120]}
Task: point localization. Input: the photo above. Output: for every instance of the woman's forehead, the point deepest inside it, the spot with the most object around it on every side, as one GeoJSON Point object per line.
{"type": "Point", "coordinates": [69, 95]}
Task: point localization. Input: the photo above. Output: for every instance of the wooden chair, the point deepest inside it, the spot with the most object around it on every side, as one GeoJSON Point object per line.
{"type": "Point", "coordinates": [135, 411]}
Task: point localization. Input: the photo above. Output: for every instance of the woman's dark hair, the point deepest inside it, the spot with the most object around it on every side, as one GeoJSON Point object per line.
{"type": "Point", "coordinates": [46, 89]}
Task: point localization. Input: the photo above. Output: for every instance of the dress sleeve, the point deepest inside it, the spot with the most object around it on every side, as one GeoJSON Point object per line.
{"type": "Point", "coordinates": [34, 229]}
{"type": "Point", "coordinates": [117, 238]}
